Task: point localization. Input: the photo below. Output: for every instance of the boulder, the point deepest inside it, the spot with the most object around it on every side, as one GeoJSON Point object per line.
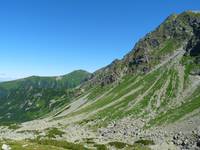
{"type": "Point", "coordinates": [5, 147]}
{"type": "Point", "coordinates": [198, 143]}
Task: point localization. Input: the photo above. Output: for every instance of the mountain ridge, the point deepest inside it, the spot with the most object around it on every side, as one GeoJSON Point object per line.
{"type": "Point", "coordinates": [37, 95]}
{"type": "Point", "coordinates": [152, 40]}
{"type": "Point", "coordinates": [147, 100]}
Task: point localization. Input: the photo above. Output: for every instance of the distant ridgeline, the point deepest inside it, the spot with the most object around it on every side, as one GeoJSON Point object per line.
{"type": "Point", "coordinates": [32, 97]}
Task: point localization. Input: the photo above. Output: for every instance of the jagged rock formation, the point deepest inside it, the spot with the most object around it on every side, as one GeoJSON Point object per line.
{"type": "Point", "coordinates": [175, 31]}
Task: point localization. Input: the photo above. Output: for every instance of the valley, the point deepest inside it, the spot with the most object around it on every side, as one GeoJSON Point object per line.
{"type": "Point", "coordinates": [150, 99]}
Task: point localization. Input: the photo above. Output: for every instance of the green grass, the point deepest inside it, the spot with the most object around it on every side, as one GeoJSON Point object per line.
{"type": "Point", "coordinates": [136, 146]}
{"type": "Point", "coordinates": [60, 144]}
{"type": "Point", "coordinates": [119, 109]}
{"type": "Point", "coordinates": [168, 47]}
{"type": "Point", "coordinates": [143, 103]}
{"type": "Point", "coordinates": [175, 114]}
{"type": "Point", "coordinates": [190, 66]}
{"type": "Point", "coordinates": [26, 145]}
{"type": "Point", "coordinates": [98, 91]}
{"type": "Point", "coordinates": [30, 98]}
{"type": "Point", "coordinates": [110, 97]}
{"type": "Point", "coordinates": [100, 147]}
{"type": "Point", "coordinates": [46, 144]}
{"type": "Point", "coordinates": [54, 132]}
{"type": "Point", "coordinates": [172, 88]}
{"type": "Point", "coordinates": [14, 126]}
{"type": "Point", "coordinates": [145, 142]}
{"type": "Point", "coordinates": [118, 145]}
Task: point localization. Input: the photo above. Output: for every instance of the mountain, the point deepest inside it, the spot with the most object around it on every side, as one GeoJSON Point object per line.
{"type": "Point", "coordinates": [174, 32]}
{"type": "Point", "coordinates": [35, 96]}
{"type": "Point", "coordinates": [150, 99]}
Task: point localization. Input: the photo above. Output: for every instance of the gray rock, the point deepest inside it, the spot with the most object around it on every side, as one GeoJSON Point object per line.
{"type": "Point", "coordinates": [198, 143]}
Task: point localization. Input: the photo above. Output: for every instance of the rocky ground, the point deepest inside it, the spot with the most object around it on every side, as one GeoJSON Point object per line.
{"type": "Point", "coordinates": [184, 134]}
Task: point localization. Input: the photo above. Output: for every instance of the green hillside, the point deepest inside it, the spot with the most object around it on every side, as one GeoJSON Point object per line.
{"type": "Point", "coordinates": [35, 96]}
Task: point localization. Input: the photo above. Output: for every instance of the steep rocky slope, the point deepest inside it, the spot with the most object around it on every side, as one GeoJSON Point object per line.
{"type": "Point", "coordinates": [175, 31]}
{"type": "Point", "coordinates": [148, 100]}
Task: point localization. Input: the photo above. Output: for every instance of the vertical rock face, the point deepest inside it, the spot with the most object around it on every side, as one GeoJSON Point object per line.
{"type": "Point", "coordinates": [193, 46]}
{"type": "Point", "coordinates": [176, 31]}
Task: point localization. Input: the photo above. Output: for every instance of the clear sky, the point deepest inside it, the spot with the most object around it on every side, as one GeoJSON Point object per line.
{"type": "Point", "coordinates": [54, 37]}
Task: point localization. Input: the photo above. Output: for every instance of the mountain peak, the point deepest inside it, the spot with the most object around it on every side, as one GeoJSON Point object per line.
{"type": "Point", "coordinates": [176, 31]}
{"type": "Point", "coordinates": [80, 71]}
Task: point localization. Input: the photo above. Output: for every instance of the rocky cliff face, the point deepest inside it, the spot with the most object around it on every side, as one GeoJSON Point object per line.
{"type": "Point", "coordinates": [176, 31]}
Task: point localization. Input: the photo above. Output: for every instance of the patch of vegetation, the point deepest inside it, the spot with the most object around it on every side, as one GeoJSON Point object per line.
{"type": "Point", "coordinates": [118, 145]}
{"type": "Point", "coordinates": [116, 111]}
{"type": "Point", "coordinates": [89, 141]}
{"type": "Point", "coordinates": [137, 146]}
{"type": "Point", "coordinates": [145, 142]}
{"type": "Point", "coordinates": [98, 91]}
{"type": "Point", "coordinates": [172, 88]}
{"type": "Point", "coordinates": [63, 144]}
{"type": "Point", "coordinates": [100, 147]}
{"type": "Point", "coordinates": [191, 67]}
{"type": "Point", "coordinates": [169, 46]}
{"type": "Point", "coordinates": [114, 94]}
{"type": "Point", "coordinates": [54, 132]}
{"type": "Point", "coordinates": [25, 145]}
{"type": "Point", "coordinates": [36, 132]}
{"type": "Point", "coordinates": [175, 114]}
{"type": "Point", "coordinates": [14, 126]}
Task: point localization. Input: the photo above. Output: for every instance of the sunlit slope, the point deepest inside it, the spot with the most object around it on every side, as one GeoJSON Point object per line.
{"type": "Point", "coordinates": [164, 95]}
{"type": "Point", "coordinates": [158, 81]}
{"type": "Point", "coordinates": [35, 96]}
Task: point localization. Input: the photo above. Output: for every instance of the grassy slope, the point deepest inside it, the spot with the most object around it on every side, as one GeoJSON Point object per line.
{"type": "Point", "coordinates": [32, 97]}
{"type": "Point", "coordinates": [138, 96]}
{"type": "Point", "coordinates": [70, 80]}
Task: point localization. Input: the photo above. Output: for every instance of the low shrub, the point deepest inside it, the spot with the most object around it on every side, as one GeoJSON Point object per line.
{"type": "Point", "coordinates": [145, 142]}
{"type": "Point", "coordinates": [53, 132]}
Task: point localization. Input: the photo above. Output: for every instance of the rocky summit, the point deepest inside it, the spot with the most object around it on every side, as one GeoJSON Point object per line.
{"type": "Point", "coordinates": [150, 99]}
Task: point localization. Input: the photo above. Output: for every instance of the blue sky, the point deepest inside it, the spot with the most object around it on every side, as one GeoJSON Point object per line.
{"type": "Point", "coordinates": [54, 37]}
